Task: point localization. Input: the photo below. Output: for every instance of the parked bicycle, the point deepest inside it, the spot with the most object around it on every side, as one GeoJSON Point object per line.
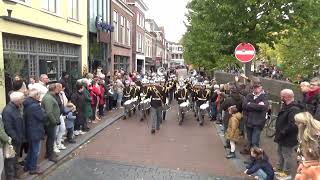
{"type": "Point", "coordinates": [272, 115]}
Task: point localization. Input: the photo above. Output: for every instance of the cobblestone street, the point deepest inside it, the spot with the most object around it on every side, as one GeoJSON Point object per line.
{"type": "Point", "coordinates": [127, 150]}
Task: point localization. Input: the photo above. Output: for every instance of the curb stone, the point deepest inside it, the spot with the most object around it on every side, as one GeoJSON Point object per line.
{"type": "Point", "coordinates": [47, 166]}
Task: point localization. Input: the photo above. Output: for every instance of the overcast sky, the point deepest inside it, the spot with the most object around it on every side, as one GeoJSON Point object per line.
{"type": "Point", "coordinates": [170, 14]}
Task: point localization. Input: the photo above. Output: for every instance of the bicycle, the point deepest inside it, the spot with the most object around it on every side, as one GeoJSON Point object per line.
{"type": "Point", "coordinates": [270, 126]}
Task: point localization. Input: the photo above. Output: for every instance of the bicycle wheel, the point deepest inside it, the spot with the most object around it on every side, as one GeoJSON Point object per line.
{"type": "Point", "coordinates": [271, 127]}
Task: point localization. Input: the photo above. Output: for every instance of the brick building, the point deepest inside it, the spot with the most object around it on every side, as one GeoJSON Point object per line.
{"type": "Point", "coordinates": [122, 45]}
{"type": "Point", "coordinates": [138, 34]}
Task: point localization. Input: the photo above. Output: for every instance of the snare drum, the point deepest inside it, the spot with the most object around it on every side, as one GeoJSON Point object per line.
{"type": "Point", "coordinates": [204, 106]}
{"type": "Point", "coordinates": [128, 104]}
{"type": "Point", "coordinates": [145, 105]}
{"type": "Point", "coordinates": [185, 107]}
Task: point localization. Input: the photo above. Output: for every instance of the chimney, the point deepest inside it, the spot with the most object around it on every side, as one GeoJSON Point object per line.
{"type": "Point", "coordinates": [162, 29]}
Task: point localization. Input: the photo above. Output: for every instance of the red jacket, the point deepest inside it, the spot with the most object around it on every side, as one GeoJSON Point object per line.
{"type": "Point", "coordinates": [94, 94]}
{"type": "Point", "coordinates": [102, 101]}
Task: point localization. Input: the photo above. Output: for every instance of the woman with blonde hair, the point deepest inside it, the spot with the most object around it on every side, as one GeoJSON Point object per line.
{"type": "Point", "coordinates": [309, 146]}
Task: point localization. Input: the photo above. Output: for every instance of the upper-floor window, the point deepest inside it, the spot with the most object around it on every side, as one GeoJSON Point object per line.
{"type": "Point", "coordinates": [128, 40]}
{"type": "Point", "coordinates": [74, 9]}
{"type": "Point", "coordinates": [50, 5]}
{"type": "Point", "coordinates": [115, 25]}
{"type": "Point", "coordinates": [140, 20]}
{"type": "Point", "coordinates": [122, 29]}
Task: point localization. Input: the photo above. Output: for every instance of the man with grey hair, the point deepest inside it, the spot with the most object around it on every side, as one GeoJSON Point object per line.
{"type": "Point", "coordinates": [286, 133]}
{"type": "Point", "coordinates": [41, 86]}
{"type": "Point", "coordinates": [34, 118]}
{"type": "Point", "coordinates": [51, 107]}
{"type": "Point", "coordinates": [313, 98]}
{"type": "Point", "coordinates": [14, 127]}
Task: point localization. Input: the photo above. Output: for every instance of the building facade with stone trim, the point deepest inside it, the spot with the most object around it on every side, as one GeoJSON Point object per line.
{"type": "Point", "coordinates": [122, 44]}
{"type": "Point", "coordinates": [138, 34]}
{"type": "Point", "coordinates": [48, 37]}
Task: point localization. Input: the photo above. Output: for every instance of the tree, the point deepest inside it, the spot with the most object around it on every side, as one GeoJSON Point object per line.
{"type": "Point", "coordinates": [215, 27]}
{"type": "Point", "coordinates": [13, 65]}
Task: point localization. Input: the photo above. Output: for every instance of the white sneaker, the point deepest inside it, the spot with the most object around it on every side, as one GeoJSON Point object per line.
{"type": "Point", "coordinates": [81, 132]}
{"type": "Point", "coordinates": [76, 133]}
{"type": "Point", "coordinates": [61, 147]}
{"type": "Point", "coordinates": [56, 150]}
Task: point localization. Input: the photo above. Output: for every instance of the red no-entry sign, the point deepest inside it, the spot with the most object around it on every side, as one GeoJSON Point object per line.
{"type": "Point", "coordinates": [245, 52]}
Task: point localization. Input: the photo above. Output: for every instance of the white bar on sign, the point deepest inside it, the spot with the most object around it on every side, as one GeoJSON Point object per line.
{"type": "Point", "coordinates": [245, 52]}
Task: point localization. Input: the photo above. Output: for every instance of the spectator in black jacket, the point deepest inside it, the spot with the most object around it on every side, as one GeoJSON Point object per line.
{"type": "Point", "coordinates": [255, 106]}
{"type": "Point", "coordinates": [65, 81]}
{"type": "Point", "coordinates": [14, 127]}
{"type": "Point", "coordinates": [286, 133]}
{"type": "Point", "coordinates": [78, 99]}
{"type": "Point", "coordinates": [34, 117]}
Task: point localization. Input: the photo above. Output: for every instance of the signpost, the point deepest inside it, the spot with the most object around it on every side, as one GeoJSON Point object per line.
{"type": "Point", "coordinates": [245, 53]}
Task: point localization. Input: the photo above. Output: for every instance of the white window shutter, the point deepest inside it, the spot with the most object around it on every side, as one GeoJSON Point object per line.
{"type": "Point", "coordinates": [58, 3]}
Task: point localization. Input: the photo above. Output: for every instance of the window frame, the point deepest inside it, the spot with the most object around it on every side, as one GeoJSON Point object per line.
{"type": "Point", "coordinates": [115, 19]}
{"type": "Point", "coordinates": [47, 6]}
{"type": "Point", "coordinates": [71, 7]}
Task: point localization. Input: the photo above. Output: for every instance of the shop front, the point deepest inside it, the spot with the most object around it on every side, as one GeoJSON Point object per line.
{"type": "Point", "coordinates": [42, 57]}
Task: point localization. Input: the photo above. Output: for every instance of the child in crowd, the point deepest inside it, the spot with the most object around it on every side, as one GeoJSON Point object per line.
{"type": "Point", "coordinates": [233, 131]}
{"type": "Point", "coordinates": [70, 111]}
{"type": "Point", "coordinates": [260, 168]}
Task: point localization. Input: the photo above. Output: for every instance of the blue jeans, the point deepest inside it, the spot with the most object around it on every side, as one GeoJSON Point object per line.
{"type": "Point", "coordinates": [213, 110]}
{"type": "Point", "coordinates": [261, 174]}
{"type": "Point", "coordinates": [253, 135]}
{"type": "Point", "coordinates": [119, 98]}
{"type": "Point", "coordinates": [156, 117]}
{"type": "Point", "coordinates": [33, 154]}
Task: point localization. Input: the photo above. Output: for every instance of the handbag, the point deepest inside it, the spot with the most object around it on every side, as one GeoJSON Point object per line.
{"type": "Point", "coordinates": [9, 151]}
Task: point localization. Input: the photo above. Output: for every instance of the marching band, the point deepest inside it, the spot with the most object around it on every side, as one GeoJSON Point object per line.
{"type": "Point", "coordinates": [153, 95]}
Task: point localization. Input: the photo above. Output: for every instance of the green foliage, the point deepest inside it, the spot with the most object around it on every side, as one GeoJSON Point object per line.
{"type": "Point", "coordinates": [14, 65]}
{"type": "Point", "coordinates": [277, 28]}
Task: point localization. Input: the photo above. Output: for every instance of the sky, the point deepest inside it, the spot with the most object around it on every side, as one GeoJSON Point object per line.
{"type": "Point", "coordinates": [170, 14]}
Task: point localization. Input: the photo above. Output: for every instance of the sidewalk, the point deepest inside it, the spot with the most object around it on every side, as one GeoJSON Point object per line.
{"type": "Point", "coordinates": [47, 166]}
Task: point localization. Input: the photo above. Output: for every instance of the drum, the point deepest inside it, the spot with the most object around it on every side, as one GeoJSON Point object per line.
{"type": "Point", "coordinates": [145, 105]}
{"type": "Point", "coordinates": [185, 107]}
{"type": "Point", "coordinates": [204, 106]}
{"type": "Point", "coordinates": [135, 101]}
{"type": "Point", "coordinates": [128, 104]}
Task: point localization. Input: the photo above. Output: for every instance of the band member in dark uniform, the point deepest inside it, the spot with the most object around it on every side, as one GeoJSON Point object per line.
{"type": "Point", "coordinates": [143, 91]}
{"type": "Point", "coordinates": [194, 91]}
{"type": "Point", "coordinates": [158, 98]}
{"type": "Point", "coordinates": [203, 95]}
{"type": "Point", "coordinates": [166, 86]}
{"type": "Point", "coordinates": [127, 95]}
{"type": "Point", "coordinates": [181, 96]}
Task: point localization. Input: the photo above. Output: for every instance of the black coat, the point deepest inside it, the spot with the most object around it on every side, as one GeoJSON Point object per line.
{"type": "Point", "coordinates": [255, 113]}
{"type": "Point", "coordinates": [286, 130]}
{"type": "Point", "coordinates": [78, 99]}
{"type": "Point", "coordinates": [13, 122]}
{"type": "Point", "coordinates": [35, 118]}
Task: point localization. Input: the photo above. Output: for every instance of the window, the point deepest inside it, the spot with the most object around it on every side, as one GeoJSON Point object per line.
{"type": "Point", "coordinates": [74, 9]}
{"type": "Point", "coordinates": [115, 24]}
{"type": "Point", "coordinates": [128, 40]}
{"type": "Point", "coordinates": [172, 56]}
{"type": "Point", "coordinates": [138, 18]}
{"type": "Point", "coordinates": [122, 30]}
{"type": "Point", "coordinates": [139, 43]}
{"type": "Point", "coordinates": [50, 5]}
{"type": "Point", "coordinates": [121, 62]}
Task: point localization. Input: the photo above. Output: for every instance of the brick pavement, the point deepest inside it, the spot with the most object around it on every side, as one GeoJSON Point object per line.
{"type": "Point", "coordinates": [84, 169]}
{"type": "Point", "coordinates": [187, 148]}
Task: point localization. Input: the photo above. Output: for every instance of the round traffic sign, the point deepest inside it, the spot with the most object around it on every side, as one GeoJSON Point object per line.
{"type": "Point", "coordinates": [245, 52]}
